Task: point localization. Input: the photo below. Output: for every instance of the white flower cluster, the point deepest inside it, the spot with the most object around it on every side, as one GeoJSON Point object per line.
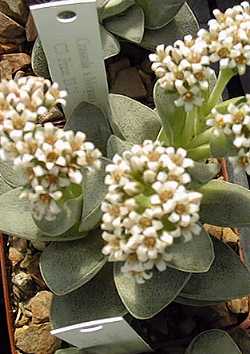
{"type": "Point", "coordinates": [235, 123]}
{"type": "Point", "coordinates": [228, 37]}
{"type": "Point", "coordinates": [148, 206]}
{"type": "Point", "coordinates": [49, 157]}
{"type": "Point", "coordinates": [183, 68]}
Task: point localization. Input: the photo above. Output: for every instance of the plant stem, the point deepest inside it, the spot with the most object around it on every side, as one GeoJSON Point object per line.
{"type": "Point", "coordinates": [188, 128]}
{"type": "Point", "coordinates": [225, 76]}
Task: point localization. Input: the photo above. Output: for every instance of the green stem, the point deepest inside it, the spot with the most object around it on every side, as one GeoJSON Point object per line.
{"type": "Point", "coordinates": [201, 139]}
{"type": "Point", "coordinates": [188, 128]}
{"type": "Point", "coordinates": [222, 81]}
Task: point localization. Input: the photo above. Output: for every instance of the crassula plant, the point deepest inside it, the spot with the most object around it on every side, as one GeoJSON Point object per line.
{"type": "Point", "coordinates": [125, 212]}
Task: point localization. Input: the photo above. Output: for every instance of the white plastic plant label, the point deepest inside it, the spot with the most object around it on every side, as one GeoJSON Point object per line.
{"type": "Point", "coordinates": [106, 336]}
{"type": "Point", "coordinates": [69, 32]}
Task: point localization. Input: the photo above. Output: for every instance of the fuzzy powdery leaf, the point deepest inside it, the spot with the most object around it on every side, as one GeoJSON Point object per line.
{"type": "Point", "coordinates": [146, 300]}
{"type": "Point", "coordinates": [89, 119]}
{"type": "Point", "coordinates": [94, 193]}
{"type": "Point", "coordinates": [225, 204]}
{"type": "Point", "coordinates": [226, 279]}
{"type": "Point", "coordinates": [110, 44]}
{"type": "Point", "coordinates": [97, 299]}
{"type": "Point", "coordinates": [117, 146]}
{"type": "Point", "coordinates": [213, 341]}
{"type": "Point", "coordinates": [158, 13]}
{"type": "Point", "coordinates": [194, 257]}
{"type": "Point", "coordinates": [129, 26]}
{"type": "Point", "coordinates": [66, 266]}
{"type": "Point", "coordinates": [11, 177]}
{"type": "Point", "coordinates": [183, 24]}
{"type": "Point", "coordinates": [16, 219]}
{"type": "Point", "coordinates": [132, 121]}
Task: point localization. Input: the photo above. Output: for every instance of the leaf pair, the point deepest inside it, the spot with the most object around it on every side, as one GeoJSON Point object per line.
{"type": "Point", "coordinates": [227, 275]}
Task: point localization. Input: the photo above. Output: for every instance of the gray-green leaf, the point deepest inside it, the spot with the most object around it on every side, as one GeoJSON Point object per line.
{"type": "Point", "coordinates": [66, 266]}
{"type": "Point", "coordinates": [214, 341]}
{"type": "Point", "coordinates": [129, 25]}
{"type": "Point", "coordinates": [159, 13]}
{"type": "Point", "coordinates": [225, 204]}
{"type": "Point", "coordinates": [226, 279]}
{"type": "Point", "coordinates": [94, 193]}
{"type": "Point", "coordinates": [113, 8]}
{"type": "Point", "coordinates": [39, 61]}
{"type": "Point", "coordinates": [4, 187]}
{"type": "Point", "coordinates": [221, 145]}
{"type": "Point", "coordinates": [172, 117]}
{"type": "Point", "coordinates": [71, 350]}
{"type": "Point", "coordinates": [13, 177]}
{"type": "Point", "coordinates": [16, 219]}
{"type": "Point", "coordinates": [146, 300]}
{"type": "Point", "coordinates": [204, 172]}
{"type": "Point", "coordinates": [184, 23]}
{"type": "Point", "coordinates": [69, 215]}
{"type": "Point", "coordinates": [89, 119]}
{"type": "Point", "coordinates": [133, 121]}
{"type": "Point", "coordinates": [95, 300]}
{"type": "Point", "coordinates": [117, 146]}
{"type": "Point", "coordinates": [110, 44]}
{"type": "Point", "coordinates": [195, 256]}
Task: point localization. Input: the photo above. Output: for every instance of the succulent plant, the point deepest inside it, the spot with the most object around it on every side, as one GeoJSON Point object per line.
{"type": "Point", "coordinates": [131, 223]}
{"type": "Point", "coordinates": [143, 22]}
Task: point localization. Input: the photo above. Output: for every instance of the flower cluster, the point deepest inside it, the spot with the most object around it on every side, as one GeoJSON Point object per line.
{"type": "Point", "coordinates": [148, 206]}
{"type": "Point", "coordinates": [50, 158]}
{"type": "Point", "coordinates": [235, 124]}
{"type": "Point", "coordinates": [228, 37]}
{"type": "Point", "coordinates": [183, 68]}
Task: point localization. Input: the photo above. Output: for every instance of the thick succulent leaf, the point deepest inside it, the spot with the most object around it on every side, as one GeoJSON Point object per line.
{"type": "Point", "coordinates": [66, 266]}
{"type": "Point", "coordinates": [213, 341]}
{"type": "Point", "coordinates": [39, 61]}
{"type": "Point", "coordinates": [133, 121]}
{"type": "Point", "coordinates": [16, 219]}
{"type": "Point", "coordinates": [4, 187]}
{"type": "Point", "coordinates": [146, 300]}
{"type": "Point", "coordinates": [113, 7]}
{"type": "Point", "coordinates": [172, 117]}
{"type": "Point", "coordinates": [184, 23]}
{"type": "Point", "coordinates": [225, 204]}
{"type": "Point", "coordinates": [117, 146]}
{"type": "Point", "coordinates": [130, 25]}
{"type": "Point", "coordinates": [95, 300]}
{"type": "Point", "coordinates": [241, 179]}
{"type": "Point", "coordinates": [193, 302]}
{"type": "Point", "coordinates": [222, 145]}
{"type": "Point", "coordinates": [110, 44]}
{"type": "Point", "coordinates": [204, 172]}
{"type": "Point", "coordinates": [89, 119]}
{"type": "Point", "coordinates": [69, 215]}
{"type": "Point", "coordinates": [71, 350]}
{"type": "Point", "coordinates": [195, 256]}
{"type": "Point", "coordinates": [12, 177]}
{"type": "Point", "coordinates": [226, 279]}
{"type": "Point", "coordinates": [159, 13]}
{"type": "Point", "coordinates": [94, 193]}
